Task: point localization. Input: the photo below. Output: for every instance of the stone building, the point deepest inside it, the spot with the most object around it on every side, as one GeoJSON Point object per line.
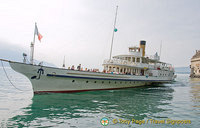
{"type": "Point", "coordinates": [195, 65]}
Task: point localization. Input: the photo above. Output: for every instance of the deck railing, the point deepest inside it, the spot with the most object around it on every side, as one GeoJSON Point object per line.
{"type": "Point", "coordinates": [126, 62]}
{"type": "Point", "coordinates": [139, 65]}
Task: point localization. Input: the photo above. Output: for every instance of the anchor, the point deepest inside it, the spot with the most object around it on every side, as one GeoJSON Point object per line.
{"type": "Point", "coordinates": [40, 71]}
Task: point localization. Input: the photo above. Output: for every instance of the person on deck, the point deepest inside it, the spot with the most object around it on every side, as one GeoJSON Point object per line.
{"type": "Point", "coordinates": [79, 67]}
{"type": "Point", "coordinates": [72, 68]}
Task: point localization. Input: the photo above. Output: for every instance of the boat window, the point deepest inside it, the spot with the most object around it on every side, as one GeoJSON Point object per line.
{"type": "Point", "coordinates": [102, 82]}
{"type": "Point", "coordinates": [86, 81]}
{"type": "Point", "coordinates": [109, 82]}
{"type": "Point", "coordinates": [129, 58]}
{"type": "Point", "coordinates": [117, 69]}
{"type": "Point", "coordinates": [73, 80]}
{"type": "Point", "coordinates": [138, 59]}
{"type": "Point", "coordinates": [95, 81]}
{"type": "Point", "coordinates": [115, 82]}
{"type": "Point", "coordinates": [133, 59]}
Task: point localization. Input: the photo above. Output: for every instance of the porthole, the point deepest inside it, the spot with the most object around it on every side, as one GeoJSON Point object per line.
{"type": "Point", "coordinates": [102, 82]}
{"type": "Point", "coordinates": [109, 82]}
{"type": "Point", "coordinates": [73, 80]}
{"type": "Point", "coordinates": [115, 82]}
{"type": "Point", "coordinates": [95, 81]}
{"type": "Point", "coordinates": [87, 81]}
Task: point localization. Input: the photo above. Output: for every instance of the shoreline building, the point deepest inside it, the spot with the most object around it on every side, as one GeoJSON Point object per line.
{"type": "Point", "coordinates": [195, 65]}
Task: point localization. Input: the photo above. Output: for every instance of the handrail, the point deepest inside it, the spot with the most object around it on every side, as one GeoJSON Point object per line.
{"type": "Point", "coordinates": [5, 60]}
{"type": "Point", "coordinates": [128, 63]}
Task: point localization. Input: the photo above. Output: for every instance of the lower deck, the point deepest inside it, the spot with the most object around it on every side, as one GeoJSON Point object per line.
{"type": "Point", "coordinates": [47, 79]}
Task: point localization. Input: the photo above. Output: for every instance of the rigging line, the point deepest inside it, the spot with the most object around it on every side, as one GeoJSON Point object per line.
{"type": "Point", "coordinates": [9, 79]}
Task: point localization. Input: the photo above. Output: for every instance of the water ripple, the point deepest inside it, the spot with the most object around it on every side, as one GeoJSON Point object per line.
{"type": "Point", "coordinates": [179, 100]}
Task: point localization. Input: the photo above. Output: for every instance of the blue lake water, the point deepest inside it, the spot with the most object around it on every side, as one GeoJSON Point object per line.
{"type": "Point", "coordinates": [152, 106]}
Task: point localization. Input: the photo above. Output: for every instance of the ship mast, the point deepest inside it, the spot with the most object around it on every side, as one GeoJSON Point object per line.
{"type": "Point", "coordinates": [36, 32]}
{"type": "Point", "coordinates": [32, 47]}
{"type": "Point", "coordinates": [114, 30]}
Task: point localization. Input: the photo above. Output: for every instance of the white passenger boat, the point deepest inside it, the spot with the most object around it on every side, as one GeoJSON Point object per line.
{"type": "Point", "coordinates": [122, 71]}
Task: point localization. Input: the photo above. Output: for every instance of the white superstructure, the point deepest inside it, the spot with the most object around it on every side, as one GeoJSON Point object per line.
{"type": "Point", "coordinates": [136, 63]}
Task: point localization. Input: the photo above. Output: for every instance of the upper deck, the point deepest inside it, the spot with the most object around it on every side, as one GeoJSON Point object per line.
{"type": "Point", "coordinates": [141, 65]}
{"type": "Point", "coordinates": [136, 58]}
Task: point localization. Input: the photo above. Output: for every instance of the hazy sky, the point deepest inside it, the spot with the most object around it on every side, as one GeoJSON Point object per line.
{"type": "Point", "coordinates": [81, 30]}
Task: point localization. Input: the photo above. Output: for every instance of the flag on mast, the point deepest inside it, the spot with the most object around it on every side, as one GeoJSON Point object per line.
{"type": "Point", "coordinates": [37, 33]}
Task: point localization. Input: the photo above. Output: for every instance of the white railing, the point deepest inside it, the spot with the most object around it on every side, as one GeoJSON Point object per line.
{"type": "Point", "coordinates": [139, 65]}
{"type": "Point", "coordinates": [128, 63]}
{"type": "Point", "coordinates": [153, 57]}
{"type": "Point", "coordinates": [118, 61]}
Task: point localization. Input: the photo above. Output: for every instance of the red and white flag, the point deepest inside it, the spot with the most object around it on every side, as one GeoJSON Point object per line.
{"type": "Point", "coordinates": [37, 33]}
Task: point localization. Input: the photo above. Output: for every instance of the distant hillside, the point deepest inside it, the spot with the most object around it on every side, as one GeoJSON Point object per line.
{"type": "Point", "coordinates": [183, 70]}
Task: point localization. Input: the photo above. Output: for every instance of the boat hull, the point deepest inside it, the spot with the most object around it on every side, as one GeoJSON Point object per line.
{"type": "Point", "coordinates": [58, 80]}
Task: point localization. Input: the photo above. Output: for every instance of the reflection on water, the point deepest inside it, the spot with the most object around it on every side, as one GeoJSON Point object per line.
{"type": "Point", "coordinates": [59, 109]}
{"type": "Point", "coordinates": [195, 91]}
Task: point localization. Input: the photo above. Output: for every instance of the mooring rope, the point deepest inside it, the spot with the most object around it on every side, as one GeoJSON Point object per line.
{"type": "Point", "coordinates": [9, 79]}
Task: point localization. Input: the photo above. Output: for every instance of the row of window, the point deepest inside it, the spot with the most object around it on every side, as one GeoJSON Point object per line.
{"type": "Point", "coordinates": [123, 70]}
{"type": "Point", "coordinates": [114, 82]}
{"type": "Point", "coordinates": [164, 74]}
